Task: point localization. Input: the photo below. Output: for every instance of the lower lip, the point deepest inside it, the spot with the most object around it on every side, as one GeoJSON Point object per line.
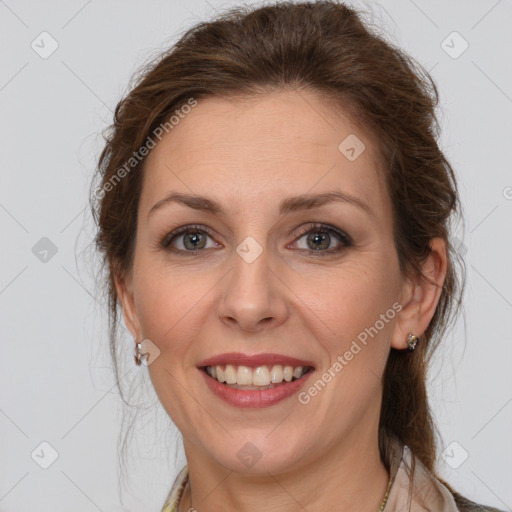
{"type": "Point", "coordinates": [254, 397]}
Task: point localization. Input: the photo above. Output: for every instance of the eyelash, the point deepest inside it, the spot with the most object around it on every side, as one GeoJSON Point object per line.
{"type": "Point", "coordinates": [166, 242]}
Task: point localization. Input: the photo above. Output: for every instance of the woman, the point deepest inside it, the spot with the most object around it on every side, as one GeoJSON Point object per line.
{"type": "Point", "coordinates": [273, 215]}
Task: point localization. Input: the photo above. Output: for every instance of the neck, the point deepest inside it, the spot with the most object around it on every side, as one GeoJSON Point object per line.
{"type": "Point", "coordinates": [348, 478]}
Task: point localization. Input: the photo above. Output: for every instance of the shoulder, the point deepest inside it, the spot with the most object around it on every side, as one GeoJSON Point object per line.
{"type": "Point", "coordinates": [417, 488]}
{"type": "Point", "coordinates": [465, 505]}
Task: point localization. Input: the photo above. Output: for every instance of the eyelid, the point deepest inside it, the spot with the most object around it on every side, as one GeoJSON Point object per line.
{"type": "Point", "coordinates": [343, 237]}
{"type": "Point", "coordinates": [168, 239]}
{"type": "Point", "coordinates": [322, 226]}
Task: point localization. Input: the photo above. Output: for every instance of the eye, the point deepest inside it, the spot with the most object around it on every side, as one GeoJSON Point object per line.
{"type": "Point", "coordinates": [187, 239]}
{"type": "Point", "coordinates": [319, 238]}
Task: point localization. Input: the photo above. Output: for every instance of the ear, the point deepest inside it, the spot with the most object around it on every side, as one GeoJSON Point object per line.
{"type": "Point", "coordinates": [419, 297]}
{"type": "Point", "coordinates": [124, 289]}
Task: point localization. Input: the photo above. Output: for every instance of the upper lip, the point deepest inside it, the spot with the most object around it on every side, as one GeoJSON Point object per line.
{"type": "Point", "coordinates": [238, 358]}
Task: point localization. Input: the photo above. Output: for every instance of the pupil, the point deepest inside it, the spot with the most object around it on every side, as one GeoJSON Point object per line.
{"type": "Point", "coordinates": [195, 239]}
{"type": "Point", "coordinates": [319, 238]}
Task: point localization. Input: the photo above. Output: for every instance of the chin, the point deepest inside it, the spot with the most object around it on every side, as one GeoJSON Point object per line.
{"type": "Point", "coordinates": [260, 453]}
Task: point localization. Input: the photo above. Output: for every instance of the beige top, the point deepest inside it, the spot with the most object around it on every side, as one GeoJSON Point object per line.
{"type": "Point", "coordinates": [426, 494]}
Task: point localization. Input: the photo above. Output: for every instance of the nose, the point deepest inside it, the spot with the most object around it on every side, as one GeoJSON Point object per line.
{"type": "Point", "coordinates": [253, 296]}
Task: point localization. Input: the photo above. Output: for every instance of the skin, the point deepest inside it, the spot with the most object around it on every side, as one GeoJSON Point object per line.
{"type": "Point", "coordinates": [249, 155]}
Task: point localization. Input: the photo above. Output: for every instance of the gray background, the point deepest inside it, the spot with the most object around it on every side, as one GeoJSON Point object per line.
{"type": "Point", "coordinates": [55, 377]}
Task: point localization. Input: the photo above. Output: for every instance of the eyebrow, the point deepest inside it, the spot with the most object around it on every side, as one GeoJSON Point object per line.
{"type": "Point", "coordinates": [287, 205]}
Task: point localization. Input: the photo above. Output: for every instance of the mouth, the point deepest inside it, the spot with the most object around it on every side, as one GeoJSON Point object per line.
{"type": "Point", "coordinates": [255, 377]}
{"type": "Point", "coordinates": [257, 380]}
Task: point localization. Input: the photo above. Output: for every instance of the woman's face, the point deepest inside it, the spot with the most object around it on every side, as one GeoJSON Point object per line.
{"type": "Point", "coordinates": [264, 273]}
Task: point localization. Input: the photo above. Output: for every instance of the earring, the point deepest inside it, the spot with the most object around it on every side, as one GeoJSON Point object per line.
{"type": "Point", "coordinates": [412, 341]}
{"type": "Point", "coordinates": [145, 352]}
{"type": "Point", "coordinates": [138, 354]}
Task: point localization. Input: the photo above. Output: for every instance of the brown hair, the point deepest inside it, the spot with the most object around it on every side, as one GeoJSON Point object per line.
{"type": "Point", "coordinates": [323, 46]}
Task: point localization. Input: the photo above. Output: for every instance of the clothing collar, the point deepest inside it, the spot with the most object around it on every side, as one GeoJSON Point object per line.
{"type": "Point", "coordinates": [418, 490]}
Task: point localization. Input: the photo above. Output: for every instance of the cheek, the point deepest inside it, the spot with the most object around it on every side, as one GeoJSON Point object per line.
{"type": "Point", "coordinates": [357, 320]}
{"type": "Point", "coordinates": [352, 299]}
{"type": "Point", "coordinates": [170, 302]}
{"type": "Point", "coordinates": [171, 306]}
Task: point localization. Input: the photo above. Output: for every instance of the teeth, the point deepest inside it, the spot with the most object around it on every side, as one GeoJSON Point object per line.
{"type": "Point", "coordinates": [276, 374]}
{"type": "Point", "coordinates": [244, 376]}
{"type": "Point", "coordinates": [230, 374]}
{"type": "Point", "coordinates": [259, 376]}
{"type": "Point", "coordinates": [297, 372]}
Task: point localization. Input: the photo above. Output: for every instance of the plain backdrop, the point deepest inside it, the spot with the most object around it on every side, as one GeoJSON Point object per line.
{"type": "Point", "coordinates": [58, 404]}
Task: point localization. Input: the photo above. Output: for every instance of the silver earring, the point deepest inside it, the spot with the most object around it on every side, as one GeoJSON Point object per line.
{"type": "Point", "coordinates": [412, 341]}
{"type": "Point", "coordinates": [138, 354]}
{"type": "Point", "coordinates": [145, 352]}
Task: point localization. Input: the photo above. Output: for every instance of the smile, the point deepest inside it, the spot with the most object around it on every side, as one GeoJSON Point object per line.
{"type": "Point", "coordinates": [260, 377]}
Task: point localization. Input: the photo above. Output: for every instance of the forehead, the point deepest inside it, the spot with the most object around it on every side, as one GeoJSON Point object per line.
{"type": "Point", "coordinates": [276, 144]}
